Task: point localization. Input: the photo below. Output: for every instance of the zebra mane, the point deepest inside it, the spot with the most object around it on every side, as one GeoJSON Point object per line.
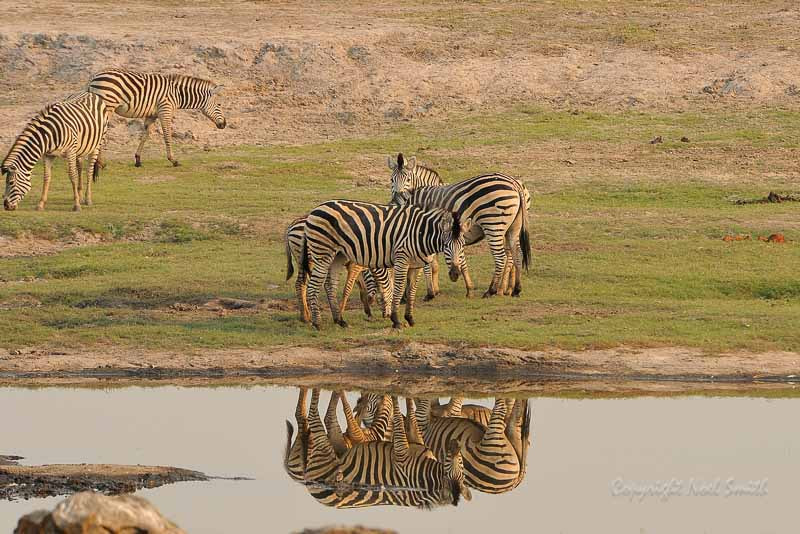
{"type": "Point", "coordinates": [22, 139]}
{"type": "Point", "coordinates": [456, 225]}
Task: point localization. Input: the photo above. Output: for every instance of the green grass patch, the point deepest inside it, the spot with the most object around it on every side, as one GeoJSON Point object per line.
{"type": "Point", "coordinates": [626, 253]}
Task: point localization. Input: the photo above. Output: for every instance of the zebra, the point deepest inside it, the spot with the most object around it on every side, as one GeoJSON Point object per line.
{"type": "Point", "coordinates": [422, 176]}
{"type": "Point", "coordinates": [369, 285]}
{"type": "Point", "coordinates": [152, 96]}
{"type": "Point", "coordinates": [494, 456]}
{"type": "Point", "coordinates": [497, 204]}
{"type": "Point", "coordinates": [379, 472]}
{"type": "Point", "coordinates": [378, 237]}
{"type": "Point", "coordinates": [72, 129]}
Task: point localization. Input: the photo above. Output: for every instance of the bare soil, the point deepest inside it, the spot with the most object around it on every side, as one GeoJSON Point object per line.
{"type": "Point", "coordinates": [305, 71]}
{"type": "Point", "coordinates": [26, 482]}
{"type": "Point", "coordinates": [413, 366]}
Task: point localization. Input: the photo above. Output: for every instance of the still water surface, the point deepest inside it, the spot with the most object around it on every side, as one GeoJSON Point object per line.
{"type": "Point", "coordinates": [582, 452]}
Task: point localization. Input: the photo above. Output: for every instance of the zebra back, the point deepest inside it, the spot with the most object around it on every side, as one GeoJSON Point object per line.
{"type": "Point", "coordinates": [140, 93]}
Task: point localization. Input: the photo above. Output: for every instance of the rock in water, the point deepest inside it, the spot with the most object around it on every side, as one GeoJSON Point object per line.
{"type": "Point", "coordinates": [88, 512]}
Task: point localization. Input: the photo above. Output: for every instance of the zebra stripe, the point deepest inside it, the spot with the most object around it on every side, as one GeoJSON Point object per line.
{"type": "Point", "coordinates": [379, 472]}
{"type": "Point", "coordinates": [369, 285]}
{"type": "Point", "coordinates": [151, 96]}
{"type": "Point", "coordinates": [377, 237]}
{"type": "Point", "coordinates": [497, 206]}
{"type": "Point", "coordinates": [72, 128]}
{"type": "Point", "coordinates": [494, 456]}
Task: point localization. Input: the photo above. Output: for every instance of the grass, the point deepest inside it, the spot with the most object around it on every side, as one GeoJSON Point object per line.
{"type": "Point", "coordinates": [627, 238]}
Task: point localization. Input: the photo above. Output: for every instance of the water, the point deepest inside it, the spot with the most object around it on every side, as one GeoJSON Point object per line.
{"type": "Point", "coordinates": [582, 451]}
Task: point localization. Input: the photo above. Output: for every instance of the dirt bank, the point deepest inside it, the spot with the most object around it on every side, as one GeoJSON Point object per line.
{"type": "Point", "coordinates": [36, 481]}
{"type": "Point", "coordinates": [655, 364]}
{"type": "Point", "coordinates": [305, 71]}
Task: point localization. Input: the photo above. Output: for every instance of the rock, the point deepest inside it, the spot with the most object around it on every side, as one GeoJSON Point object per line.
{"type": "Point", "coordinates": [89, 512]}
{"type": "Point", "coordinates": [684, 139]}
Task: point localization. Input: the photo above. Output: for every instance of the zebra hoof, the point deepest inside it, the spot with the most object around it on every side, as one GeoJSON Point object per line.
{"type": "Point", "coordinates": [489, 293]}
{"type": "Point", "coordinates": [397, 326]}
{"type": "Point", "coordinates": [76, 207]}
{"type": "Point", "coordinates": [428, 297]}
{"type": "Point", "coordinates": [316, 326]}
{"type": "Point", "coordinates": [409, 320]}
{"type": "Point", "coordinates": [517, 292]}
{"type": "Point", "coordinates": [176, 164]}
{"type": "Point", "coordinates": [137, 162]}
{"type": "Point", "coordinates": [342, 323]}
{"type": "Point", "coordinates": [40, 207]}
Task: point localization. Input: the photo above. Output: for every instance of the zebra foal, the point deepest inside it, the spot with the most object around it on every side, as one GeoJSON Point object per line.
{"type": "Point", "coordinates": [378, 237]}
{"type": "Point", "coordinates": [72, 129]}
{"type": "Point", "coordinates": [151, 96]}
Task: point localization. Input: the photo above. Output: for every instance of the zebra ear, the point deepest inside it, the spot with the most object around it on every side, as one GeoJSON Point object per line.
{"type": "Point", "coordinates": [412, 162]}
{"type": "Point", "coordinates": [392, 164]}
{"type": "Point", "coordinates": [217, 89]}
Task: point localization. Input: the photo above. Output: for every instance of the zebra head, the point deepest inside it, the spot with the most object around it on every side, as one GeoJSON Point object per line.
{"type": "Point", "coordinates": [212, 108]}
{"type": "Point", "coordinates": [402, 174]}
{"type": "Point", "coordinates": [454, 470]}
{"type": "Point", "coordinates": [18, 183]}
{"type": "Point", "coordinates": [452, 236]}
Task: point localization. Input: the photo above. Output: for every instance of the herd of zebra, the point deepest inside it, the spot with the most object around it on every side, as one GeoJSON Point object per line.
{"type": "Point", "coordinates": [425, 217]}
{"type": "Point", "coordinates": [383, 246]}
{"type": "Point", "coordinates": [76, 127]}
{"type": "Point", "coordinates": [431, 456]}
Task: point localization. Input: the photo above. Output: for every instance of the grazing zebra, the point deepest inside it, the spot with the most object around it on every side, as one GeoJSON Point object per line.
{"type": "Point", "coordinates": [139, 95]}
{"type": "Point", "coordinates": [422, 176]}
{"type": "Point", "coordinates": [497, 205]}
{"type": "Point", "coordinates": [368, 286]}
{"type": "Point", "coordinates": [494, 456]}
{"type": "Point", "coordinates": [379, 472]}
{"type": "Point", "coordinates": [72, 129]}
{"type": "Point", "coordinates": [378, 237]}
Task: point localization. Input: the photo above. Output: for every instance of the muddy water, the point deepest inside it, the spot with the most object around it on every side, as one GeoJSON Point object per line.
{"type": "Point", "coordinates": [582, 453]}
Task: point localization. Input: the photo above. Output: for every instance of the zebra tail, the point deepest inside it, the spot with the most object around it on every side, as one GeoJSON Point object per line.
{"type": "Point", "coordinates": [289, 265]}
{"type": "Point", "coordinates": [524, 236]}
{"type": "Point", "coordinates": [96, 170]}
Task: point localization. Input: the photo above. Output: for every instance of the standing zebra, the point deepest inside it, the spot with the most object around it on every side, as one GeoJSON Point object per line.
{"type": "Point", "coordinates": [378, 237]}
{"type": "Point", "coordinates": [497, 205]}
{"type": "Point", "coordinates": [72, 129]}
{"type": "Point", "coordinates": [138, 95]}
{"type": "Point", "coordinates": [379, 472]}
{"type": "Point", "coordinates": [494, 456]}
{"type": "Point", "coordinates": [422, 176]}
{"type": "Point", "coordinates": [368, 286]}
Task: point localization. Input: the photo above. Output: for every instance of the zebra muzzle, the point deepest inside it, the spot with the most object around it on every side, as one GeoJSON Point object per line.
{"type": "Point", "coordinates": [221, 124]}
{"type": "Point", "coordinates": [454, 272]}
{"type": "Point", "coordinates": [8, 206]}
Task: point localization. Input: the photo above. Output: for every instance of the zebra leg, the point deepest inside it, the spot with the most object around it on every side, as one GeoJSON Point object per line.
{"type": "Point", "coordinates": [413, 279]}
{"type": "Point", "coordinates": [323, 463]}
{"type": "Point", "coordinates": [300, 286]}
{"type": "Point", "coordinates": [467, 278]}
{"type": "Point", "coordinates": [332, 426]}
{"type": "Point", "coordinates": [48, 172]}
{"type": "Point", "coordinates": [93, 158]}
{"type": "Point", "coordinates": [353, 273]}
{"type": "Point", "coordinates": [353, 432]}
{"type": "Point", "coordinates": [400, 276]}
{"type": "Point", "coordinates": [331, 283]}
{"type": "Point", "coordinates": [165, 113]}
{"type": "Point", "coordinates": [399, 440]}
{"type": "Point", "coordinates": [319, 274]}
{"type": "Point", "coordinates": [413, 431]}
{"type": "Point", "coordinates": [499, 253]}
{"type": "Point", "coordinates": [148, 125]}
{"type": "Point", "coordinates": [72, 169]}
{"type": "Point", "coordinates": [517, 270]}
{"type": "Point", "coordinates": [429, 281]}
{"type": "Point", "coordinates": [363, 293]}
{"type": "Point", "coordinates": [505, 278]}
{"type": "Point", "coordinates": [79, 165]}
